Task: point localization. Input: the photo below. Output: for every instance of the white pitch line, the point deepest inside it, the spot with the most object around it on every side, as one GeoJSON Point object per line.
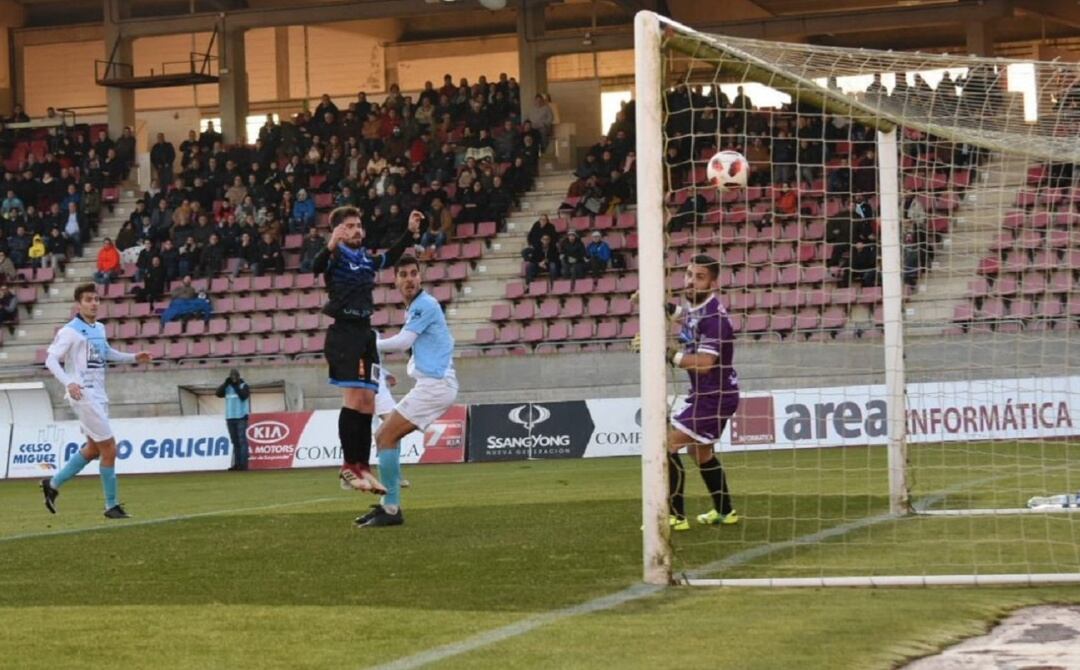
{"type": "Point", "coordinates": [639, 591]}
{"type": "Point", "coordinates": [154, 522]}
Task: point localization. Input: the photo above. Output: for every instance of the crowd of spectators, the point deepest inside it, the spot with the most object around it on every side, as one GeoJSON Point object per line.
{"type": "Point", "coordinates": [794, 150]}
{"type": "Point", "coordinates": [461, 153]}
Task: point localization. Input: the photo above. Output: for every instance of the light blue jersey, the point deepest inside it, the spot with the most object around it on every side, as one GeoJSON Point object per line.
{"type": "Point", "coordinates": [433, 351]}
{"type": "Point", "coordinates": [79, 354]}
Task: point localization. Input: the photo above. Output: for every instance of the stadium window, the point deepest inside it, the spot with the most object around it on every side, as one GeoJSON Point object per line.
{"type": "Point", "coordinates": [610, 104]}
{"type": "Point", "coordinates": [254, 122]}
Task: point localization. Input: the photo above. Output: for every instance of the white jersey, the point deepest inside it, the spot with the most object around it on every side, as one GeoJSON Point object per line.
{"type": "Point", "coordinates": [84, 352]}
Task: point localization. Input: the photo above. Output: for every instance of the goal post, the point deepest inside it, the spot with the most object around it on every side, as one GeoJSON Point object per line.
{"type": "Point", "coordinates": [902, 272]}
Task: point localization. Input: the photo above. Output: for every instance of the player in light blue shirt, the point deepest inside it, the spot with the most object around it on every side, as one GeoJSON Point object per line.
{"type": "Point", "coordinates": [432, 366]}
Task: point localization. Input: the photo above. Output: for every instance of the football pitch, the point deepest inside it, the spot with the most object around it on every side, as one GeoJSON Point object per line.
{"type": "Point", "coordinates": [520, 565]}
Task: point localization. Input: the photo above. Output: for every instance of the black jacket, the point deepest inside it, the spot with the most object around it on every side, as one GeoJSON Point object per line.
{"type": "Point", "coordinates": [350, 281]}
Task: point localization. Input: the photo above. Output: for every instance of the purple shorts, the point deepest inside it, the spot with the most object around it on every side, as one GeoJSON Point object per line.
{"type": "Point", "coordinates": [705, 420]}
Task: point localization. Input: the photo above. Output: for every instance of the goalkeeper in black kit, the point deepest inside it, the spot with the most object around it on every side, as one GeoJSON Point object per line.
{"type": "Point", "coordinates": [350, 271]}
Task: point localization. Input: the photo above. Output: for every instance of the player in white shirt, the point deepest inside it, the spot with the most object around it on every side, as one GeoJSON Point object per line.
{"type": "Point", "coordinates": [432, 366]}
{"type": "Point", "coordinates": [77, 358]}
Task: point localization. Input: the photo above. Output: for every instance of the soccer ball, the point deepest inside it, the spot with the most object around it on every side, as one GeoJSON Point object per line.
{"type": "Point", "coordinates": [728, 170]}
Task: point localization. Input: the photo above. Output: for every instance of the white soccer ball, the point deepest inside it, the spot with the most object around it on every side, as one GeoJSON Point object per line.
{"type": "Point", "coordinates": [728, 170]}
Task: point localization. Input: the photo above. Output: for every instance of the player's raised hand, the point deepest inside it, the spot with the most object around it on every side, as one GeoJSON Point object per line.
{"type": "Point", "coordinates": [144, 357]}
{"type": "Point", "coordinates": [75, 391]}
{"type": "Point", "coordinates": [337, 235]}
{"type": "Point", "coordinates": [416, 217]}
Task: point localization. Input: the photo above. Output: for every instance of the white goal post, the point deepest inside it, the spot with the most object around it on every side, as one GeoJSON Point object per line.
{"type": "Point", "coordinates": [936, 325]}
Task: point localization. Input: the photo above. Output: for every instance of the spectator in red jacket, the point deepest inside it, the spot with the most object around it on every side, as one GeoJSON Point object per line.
{"type": "Point", "coordinates": [108, 263]}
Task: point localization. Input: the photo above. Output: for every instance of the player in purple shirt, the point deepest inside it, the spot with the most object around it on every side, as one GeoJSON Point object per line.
{"type": "Point", "coordinates": [705, 349]}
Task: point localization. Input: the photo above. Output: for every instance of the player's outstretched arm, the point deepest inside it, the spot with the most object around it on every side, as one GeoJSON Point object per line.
{"type": "Point", "coordinates": [400, 342]}
{"type": "Point", "coordinates": [410, 238]}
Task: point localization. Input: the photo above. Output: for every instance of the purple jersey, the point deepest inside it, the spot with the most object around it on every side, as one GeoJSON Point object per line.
{"type": "Point", "coordinates": [706, 329]}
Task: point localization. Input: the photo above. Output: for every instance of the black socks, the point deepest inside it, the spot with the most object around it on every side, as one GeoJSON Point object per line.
{"type": "Point", "coordinates": [715, 480]}
{"type": "Point", "coordinates": [354, 431]}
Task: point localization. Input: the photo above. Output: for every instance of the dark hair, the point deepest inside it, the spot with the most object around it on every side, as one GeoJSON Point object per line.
{"type": "Point", "coordinates": [405, 261]}
{"type": "Point", "coordinates": [709, 263]}
{"type": "Point", "coordinates": [83, 289]}
{"type": "Point", "coordinates": [339, 215]}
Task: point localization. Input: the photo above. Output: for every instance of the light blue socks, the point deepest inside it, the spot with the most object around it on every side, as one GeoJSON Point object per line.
{"type": "Point", "coordinates": [73, 467]}
{"type": "Point", "coordinates": [108, 484]}
{"type": "Point", "coordinates": [390, 476]}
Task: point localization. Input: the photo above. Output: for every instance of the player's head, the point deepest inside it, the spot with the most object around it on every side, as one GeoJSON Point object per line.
{"type": "Point", "coordinates": [407, 277]}
{"type": "Point", "coordinates": [701, 277]}
{"type": "Point", "coordinates": [87, 301]}
{"type": "Point", "coordinates": [354, 229]}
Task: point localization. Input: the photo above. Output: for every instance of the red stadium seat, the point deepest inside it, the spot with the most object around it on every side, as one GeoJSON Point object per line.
{"type": "Point", "coordinates": [524, 311]}
{"type": "Point", "coordinates": [533, 333]}
{"type": "Point", "coordinates": [608, 329]}
{"type": "Point", "coordinates": [175, 351]}
{"type": "Point", "coordinates": [266, 303]}
{"type": "Point", "coordinates": [201, 348]}
{"type": "Point", "coordinates": [486, 335]}
{"type": "Point", "coordinates": [549, 309]}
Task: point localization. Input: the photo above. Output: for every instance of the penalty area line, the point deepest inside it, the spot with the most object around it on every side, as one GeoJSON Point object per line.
{"type": "Point", "coordinates": [161, 520]}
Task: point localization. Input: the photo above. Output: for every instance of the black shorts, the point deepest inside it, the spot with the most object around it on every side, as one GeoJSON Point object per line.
{"type": "Point", "coordinates": [351, 355]}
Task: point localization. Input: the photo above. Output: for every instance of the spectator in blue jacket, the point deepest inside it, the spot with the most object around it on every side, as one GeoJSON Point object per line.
{"type": "Point", "coordinates": [303, 213]}
{"type": "Point", "coordinates": [599, 254]}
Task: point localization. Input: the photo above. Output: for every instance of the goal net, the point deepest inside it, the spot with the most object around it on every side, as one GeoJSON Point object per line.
{"type": "Point", "coordinates": [901, 274]}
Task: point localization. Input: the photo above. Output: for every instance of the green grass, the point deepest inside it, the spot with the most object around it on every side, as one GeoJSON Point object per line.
{"type": "Point", "coordinates": [272, 575]}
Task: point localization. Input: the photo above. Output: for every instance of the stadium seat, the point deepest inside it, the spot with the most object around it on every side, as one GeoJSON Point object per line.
{"type": "Point", "coordinates": [524, 311]}
{"type": "Point", "coordinates": [291, 346]}
{"type": "Point", "coordinates": [269, 346]}
{"type": "Point", "coordinates": [201, 348]}
{"type": "Point", "coordinates": [549, 309]}
{"type": "Point", "coordinates": [583, 330]}
{"type": "Point", "coordinates": [533, 333]}
{"type": "Point", "coordinates": [245, 348]}
{"type": "Point", "coordinates": [486, 335]}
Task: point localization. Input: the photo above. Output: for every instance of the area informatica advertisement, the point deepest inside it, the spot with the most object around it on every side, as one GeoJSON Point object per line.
{"type": "Point", "coordinates": [143, 446]}
{"type": "Point", "coordinates": [310, 440]}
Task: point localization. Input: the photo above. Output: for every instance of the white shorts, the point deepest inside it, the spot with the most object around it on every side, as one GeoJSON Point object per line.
{"type": "Point", "coordinates": [93, 416]}
{"type": "Point", "coordinates": [428, 400]}
{"type": "Point", "coordinates": [384, 400]}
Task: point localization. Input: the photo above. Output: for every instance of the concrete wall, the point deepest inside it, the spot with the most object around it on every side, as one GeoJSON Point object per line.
{"type": "Point", "coordinates": [540, 378]}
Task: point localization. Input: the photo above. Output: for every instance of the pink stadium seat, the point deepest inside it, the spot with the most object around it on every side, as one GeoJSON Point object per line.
{"type": "Point", "coordinates": [262, 284]}
{"type": "Point", "coordinates": [305, 281]}
{"type": "Point", "coordinates": [1021, 309]}
{"type": "Point", "coordinates": [843, 296]}
{"type": "Point", "coordinates": [450, 251]}
{"type": "Point", "coordinates": [486, 335]}
{"type": "Point", "coordinates": [486, 229]}
{"type": "Point", "coordinates": [311, 301]}
{"type": "Point", "coordinates": [225, 305]}
{"type": "Point", "coordinates": [1061, 282]}
{"type": "Point", "coordinates": [1050, 308]}
{"type": "Point", "coordinates": [523, 311]}
{"type": "Point", "coordinates": [381, 318]}
{"type": "Point", "coordinates": [239, 325]}
{"type": "Point", "coordinates": [307, 322]}
{"type": "Point", "coordinates": [870, 295]}
{"type": "Point", "coordinates": [833, 318]}
{"type": "Point", "coordinates": [538, 287]}
{"type": "Point", "coordinates": [284, 323]}
{"type": "Point", "coordinates": [500, 312]}
{"type": "Point", "coordinates": [172, 330]}
{"type": "Point", "coordinates": [607, 329]}
{"type": "Point", "coordinates": [156, 350]}
{"type": "Point", "coordinates": [457, 272]}
{"type": "Point", "coordinates": [629, 329]}
{"type": "Point", "coordinates": [559, 331]}
{"type": "Point", "coordinates": [128, 330]}
{"type": "Point", "coordinates": [223, 348]}
{"type": "Point", "coordinates": [620, 306]}
{"type": "Point", "coordinates": [782, 323]}
{"type": "Point", "coordinates": [266, 303]}
{"type": "Point", "coordinates": [464, 230]}
{"type": "Point", "coordinates": [510, 334]}
{"type": "Point", "coordinates": [244, 305]}
{"type": "Point", "coordinates": [627, 284]}
{"type": "Point", "coordinates": [284, 282]}
{"type": "Point", "coordinates": [756, 323]}
{"type": "Point", "coordinates": [1005, 285]}
{"type": "Point", "coordinates": [443, 293]}
{"type": "Point", "coordinates": [597, 306]}
{"type": "Point", "coordinates": [289, 302]}
{"type": "Point", "coordinates": [561, 287]}
{"type": "Point", "coordinates": [269, 346]}
{"type": "Point", "coordinates": [533, 333]}
{"type": "Point", "coordinates": [769, 300]}
{"type": "Point", "coordinates": [627, 220]}
{"type": "Point", "coordinates": [1033, 283]}
{"type": "Point", "coordinates": [992, 308]}
{"type": "Point", "coordinates": [245, 347]}
{"type": "Point", "coordinates": [792, 299]}
{"type": "Point", "coordinates": [201, 348]}
{"type": "Point", "coordinates": [573, 308]}
{"type": "Point", "coordinates": [549, 309]}
{"type": "Point", "coordinates": [139, 310]}
{"type": "Point", "coordinates": [586, 285]}
{"type": "Point", "coordinates": [292, 346]}
{"type": "Point", "coordinates": [175, 351]}
{"type": "Point", "coordinates": [217, 326]}
{"type": "Point", "coordinates": [315, 343]}
{"type": "Point", "coordinates": [583, 330]}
